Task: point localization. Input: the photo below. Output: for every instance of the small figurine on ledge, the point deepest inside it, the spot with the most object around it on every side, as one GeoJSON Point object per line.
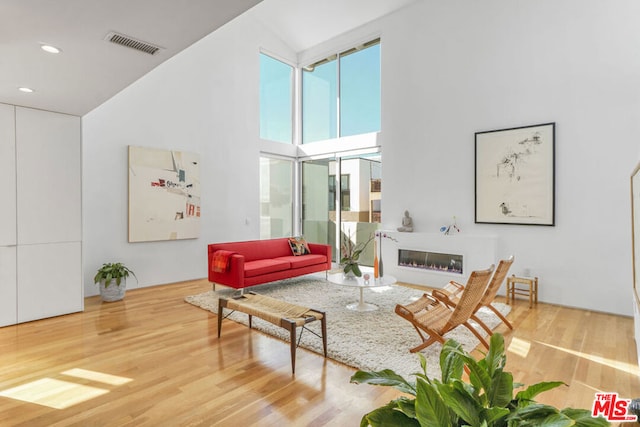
{"type": "Point", "coordinates": [451, 228]}
{"type": "Point", "coordinates": [407, 223]}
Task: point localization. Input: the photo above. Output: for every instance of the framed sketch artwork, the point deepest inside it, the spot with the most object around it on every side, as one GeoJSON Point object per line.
{"type": "Point", "coordinates": [515, 175]}
{"type": "Point", "coordinates": [164, 195]}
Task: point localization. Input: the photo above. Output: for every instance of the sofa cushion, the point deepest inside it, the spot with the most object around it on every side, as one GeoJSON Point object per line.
{"type": "Point", "coordinates": [253, 250]}
{"type": "Point", "coordinates": [264, 266]}
{"type": "Point", "coordinates": [304, 261]}
{"type": "Point", "coordinates": [299, 246]}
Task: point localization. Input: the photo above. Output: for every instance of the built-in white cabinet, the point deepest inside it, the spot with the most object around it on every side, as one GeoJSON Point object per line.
{"type": "Point", "coordinates": [8, 290]}
{"type": "Point", "coordinates": [49, 177]}
{"type": "Point", "coordinates": [40, 218]}
{"type": "Point", "coordinates": [7, 175]}
{"type": "Point", "coordinates": [8, 286]}
{"type": "Point", "coordinates": [49, 280]}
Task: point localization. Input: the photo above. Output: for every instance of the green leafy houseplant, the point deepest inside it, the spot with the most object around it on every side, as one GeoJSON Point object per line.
{"type": "Point", "coordinates": [351, 254]}
{"type": "Point", "coordinates": [116, 271]}
{"type": "Point", "coordinates": [111, 273]}
{"type": "Point", "coordinates": [487, 400]}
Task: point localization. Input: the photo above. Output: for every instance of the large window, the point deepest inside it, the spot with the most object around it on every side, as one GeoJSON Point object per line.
{"type": "Point", "coordinates": [276, 198]}
{"type": "Point", "coordinates": [336, 191]}
{"type": "Point", "coordinates": [276, 100]}
{"type": "Point", "coordinates": [341, 94]}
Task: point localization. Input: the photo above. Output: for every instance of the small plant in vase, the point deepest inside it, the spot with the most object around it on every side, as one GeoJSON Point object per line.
{"type": "Point", "coordinates": [112, 278]}
{"type": "Point", "coordinates": [351, 254]}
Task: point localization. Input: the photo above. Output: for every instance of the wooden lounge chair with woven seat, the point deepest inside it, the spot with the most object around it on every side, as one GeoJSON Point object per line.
{"type": "Point", "coordinates": [431, 318]}
{"type": "Point", "coordinates": [450, 294]}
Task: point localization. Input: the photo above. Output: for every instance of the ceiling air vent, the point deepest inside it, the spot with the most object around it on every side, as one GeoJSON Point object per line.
{"type": "Point", "coordinates": [127, 41]}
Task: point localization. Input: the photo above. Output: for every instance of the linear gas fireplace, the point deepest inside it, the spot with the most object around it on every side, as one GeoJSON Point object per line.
{"type": "Point", "coordinates": [432, 261]}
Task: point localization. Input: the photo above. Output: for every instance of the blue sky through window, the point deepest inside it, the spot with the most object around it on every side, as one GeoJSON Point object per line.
{"type": "Point", "coordinates": [320, 102]}
{"type": "Point", "coordinates": [276, 100]}
{"type": "Point", "coordinates": [360, 99]}
{"type": "Point", "coordinates": [360, 92]}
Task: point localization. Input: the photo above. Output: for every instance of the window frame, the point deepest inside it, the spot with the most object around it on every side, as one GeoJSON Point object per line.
{"type": "Point", "coordinates": [327, 58]}
{"type": "Point", "coordinates": [298, 152]}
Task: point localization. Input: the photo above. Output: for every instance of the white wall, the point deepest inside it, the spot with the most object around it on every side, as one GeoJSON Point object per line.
{"type": "Point", "coordinates": [204, 100]}
{"type": "Point", "coordinates": [449, 69]}
{"type": "Point", "coordinates": [453, 68]}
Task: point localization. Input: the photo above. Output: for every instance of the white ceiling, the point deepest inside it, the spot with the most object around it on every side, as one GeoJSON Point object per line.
{"type": "Point", "coordinates": [302, 24]}
{"type": "Point", "coordinates": [90, 70]}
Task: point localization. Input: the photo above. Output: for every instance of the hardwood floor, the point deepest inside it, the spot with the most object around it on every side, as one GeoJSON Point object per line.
{"type": "Point", "coordinates": [154, 360]}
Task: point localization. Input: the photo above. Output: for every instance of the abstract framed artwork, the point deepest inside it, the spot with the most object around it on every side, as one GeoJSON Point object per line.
{"type": "Point", "coordinates": [515, 175]}
{"type": "Point", "coordinates": [164, 195]}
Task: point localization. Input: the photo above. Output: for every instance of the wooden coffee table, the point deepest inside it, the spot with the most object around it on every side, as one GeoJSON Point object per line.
{"type": "Point", "coordinates": [361, 284]}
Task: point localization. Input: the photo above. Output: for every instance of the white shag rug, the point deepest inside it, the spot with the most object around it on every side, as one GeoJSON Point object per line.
{"type": "Point", "coordinates": [369, 341]}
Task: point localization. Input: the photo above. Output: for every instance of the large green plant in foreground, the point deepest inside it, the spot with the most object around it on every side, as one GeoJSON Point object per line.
{"type": "Point", "coordinates": [487, 400]}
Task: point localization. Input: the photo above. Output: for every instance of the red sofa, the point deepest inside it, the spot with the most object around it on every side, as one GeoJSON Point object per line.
{"type": "Point", "coordinates": [260, 261]}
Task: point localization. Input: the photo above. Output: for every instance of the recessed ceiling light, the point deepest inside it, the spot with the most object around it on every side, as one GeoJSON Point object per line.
{"type": "Point", "coordinates": [25, 89]}
{"type": "Point", "coordinates": [50, 49]}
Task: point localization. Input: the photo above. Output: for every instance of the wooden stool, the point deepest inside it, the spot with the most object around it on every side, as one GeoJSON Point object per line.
{"type": "Point", "coordinates": [531, 290]}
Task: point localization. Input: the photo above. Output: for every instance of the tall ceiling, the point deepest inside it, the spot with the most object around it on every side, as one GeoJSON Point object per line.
{"type": "Point", "coordinates": [90, 69]}
{"type": "Point", "coordinates": [305, 23]}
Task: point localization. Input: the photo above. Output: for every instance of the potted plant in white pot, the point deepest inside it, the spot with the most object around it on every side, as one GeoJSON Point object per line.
{"type": "Point", "coordinates": [112, 278]}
